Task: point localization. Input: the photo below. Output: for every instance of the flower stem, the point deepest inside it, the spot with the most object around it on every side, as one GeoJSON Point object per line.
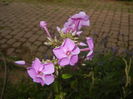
{"type": "Point", "coordinates": [45, 28]}
{"type": "Point", "coordinates": [84, 49]}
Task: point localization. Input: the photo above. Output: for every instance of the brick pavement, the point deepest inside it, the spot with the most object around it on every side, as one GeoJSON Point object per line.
{"type": "Point", "coordinates": [20, 35]}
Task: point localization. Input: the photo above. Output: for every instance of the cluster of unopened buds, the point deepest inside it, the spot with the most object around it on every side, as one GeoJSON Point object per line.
{"type": "Point", "coordinates": [66, 50]}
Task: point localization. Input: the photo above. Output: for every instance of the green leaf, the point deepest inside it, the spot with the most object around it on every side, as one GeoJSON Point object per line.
{"type": "Point", "coordinates": [66, 76]}
{"type": "Point", "coordinates": [61, 95]}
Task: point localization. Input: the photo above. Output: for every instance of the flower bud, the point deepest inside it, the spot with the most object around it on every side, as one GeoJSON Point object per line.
{"type": "Point", "coordinates": [20, 62]}
{"type": "Point", "coordinates": [43, 24]}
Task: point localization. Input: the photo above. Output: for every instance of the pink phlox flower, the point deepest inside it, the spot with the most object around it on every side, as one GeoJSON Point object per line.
{"type": "Point", "coordinates": [80, 19]}
{"type": "Point", "coordinates": [90, 44]}
{"type": "Point", "coordinates": [67, 28]}
{"type": "Point", "coordinates": [41, 73]}
{"type": "Point", "coordinates": [90, 48]}
{"type": "Point", "coordinates": [43, 25]}
{"type": "Point", "coordinates": [67, 53]}
{"type": "Point", "coordinates": [74, 23]}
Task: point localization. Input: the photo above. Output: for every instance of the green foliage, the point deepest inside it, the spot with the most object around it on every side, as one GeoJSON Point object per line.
{"type": "Point", "coordinates": [26, 89]}
{"type": "Point", "coordinates": [104, 77]}
{"type": "Point", "coordinates": [66, 76]}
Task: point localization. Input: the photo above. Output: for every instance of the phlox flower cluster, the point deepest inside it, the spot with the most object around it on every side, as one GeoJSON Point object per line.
{"type": "Point", "coordinates": [66, 50]}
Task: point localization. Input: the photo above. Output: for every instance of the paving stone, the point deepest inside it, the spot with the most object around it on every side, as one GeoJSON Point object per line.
{"type": "Point", "coordinates": [4, 46]}
{"type": "Point", "coordinates": [8, 37]}
{"type": "Point", "coordinates": [122, 51]}
{"type": "Point", "coordinates": [26, 44]}
{"type": "Point", "coordinates": [38, 43]}
{"type": "Point", "coordinates": [16, 44]}
{"type": "Point", "coordinates": [126, 38]}
{"type": "Point", "coordinates": [15, 32]}
{"type": "Point", "coordinates": [42, 38]}
{"type": "Point", "coordinates": [131, 37]}
{"type": "Point", "coordinates": [11, 41]}
{"type": "Point", "coordinates": [3, 41]}
{"type": "Point", "coordinates": [27, 35]}
{"type": "Point", "coordinates": [10, 51]}
{"type": "Point", "coordinates": [114, 40]}
{"type": "Point", "coordinates": [130, 47]}
{"type": "Point", "coordinates": [33, 38]}
{"type": "Point", "coordinates": [22, 29]}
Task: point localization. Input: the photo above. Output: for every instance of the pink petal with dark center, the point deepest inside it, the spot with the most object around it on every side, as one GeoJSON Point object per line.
{"type": "Point", "coordinates": [76, 50]}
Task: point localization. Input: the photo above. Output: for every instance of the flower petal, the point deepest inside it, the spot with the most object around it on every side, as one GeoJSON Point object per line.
{"type": "Point", "coordinates": [81, 19]}
{"type": "Point", "coordinates": [39, 80]}
{"type": "Point", "coordinates": [48, 68]}
{"type": "Point", "coordinates": [75, 51]}
{"type": "Point", "coordinates": [59, 53]}
{"type": "Point", "coordinates": [58, 29]}
{"type": "Point", "coordinates": [31, 72]}
{"type": "Point", "coordinates": [68, 45]}
{"type": "Point", "coordinates": [79, 32]}
{"type": "Point", "coordinates": [79, 15]}
{"type": "Point", "coordinates": [90, 55]}
{"type": "Point", "coordinates": [64, 61]}
{"type": "Point", "coordinates": [49, 79]}
{"type": "Point", "coordinates": [74, 60]}
{"type": "Point", "coordinates": [37, 65]}
{"type": "Point", "coordinates": [86, 23]}
{"type": "Point", "coordinates": [90, 43]}
{"type": "Point", "coordinates": [43, 24]}
{"type": "Point", "coordinates": [82, 44]}
{"type": "Point", "coordinates": [42, 83]}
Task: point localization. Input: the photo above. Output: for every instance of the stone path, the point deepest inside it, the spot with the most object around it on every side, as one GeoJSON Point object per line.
{"type": "Point", "coordinates": [20, 35]}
